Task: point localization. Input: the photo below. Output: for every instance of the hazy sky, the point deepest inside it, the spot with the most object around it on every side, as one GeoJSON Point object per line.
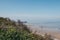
{"type": "Point", "coordinates": [31, 10]}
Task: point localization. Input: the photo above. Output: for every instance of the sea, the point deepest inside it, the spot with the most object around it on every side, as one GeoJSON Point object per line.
{"type": "Point", "coordinates": [48, 26]}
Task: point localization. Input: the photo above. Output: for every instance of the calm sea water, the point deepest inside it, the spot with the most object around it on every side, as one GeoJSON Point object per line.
{"type": "Point", "coordinates": [48, 26]}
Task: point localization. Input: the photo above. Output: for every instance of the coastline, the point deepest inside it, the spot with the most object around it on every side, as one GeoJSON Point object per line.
{"type": "Point", "coordinates": [54, 32]}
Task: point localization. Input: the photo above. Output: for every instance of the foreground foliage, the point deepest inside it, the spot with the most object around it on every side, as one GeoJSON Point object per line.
{"type": "Point", "coordinates": [12, 30]}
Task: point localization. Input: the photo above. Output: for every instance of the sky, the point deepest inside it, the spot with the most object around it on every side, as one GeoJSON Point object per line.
{"type": "Point", "coordinates": [31, 10]}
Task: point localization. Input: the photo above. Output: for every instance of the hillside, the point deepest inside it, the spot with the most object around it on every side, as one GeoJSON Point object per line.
{"type": "Point", "coordinates": [17, 30]}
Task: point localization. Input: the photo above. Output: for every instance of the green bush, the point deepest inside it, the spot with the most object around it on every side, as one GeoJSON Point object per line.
{"type": "Point", "coordinates": [11, 30]}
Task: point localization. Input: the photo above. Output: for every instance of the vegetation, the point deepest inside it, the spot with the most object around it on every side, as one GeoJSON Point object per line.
{"type": "Point", "coordinates": [12, 30]}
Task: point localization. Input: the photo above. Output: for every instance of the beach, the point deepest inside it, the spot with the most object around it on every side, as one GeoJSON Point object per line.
{"type": "Point", "coordinates": [55, 33]}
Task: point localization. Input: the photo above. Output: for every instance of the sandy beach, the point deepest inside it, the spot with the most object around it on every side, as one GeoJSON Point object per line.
{"type": "Point", "coordinates": [55, 34]}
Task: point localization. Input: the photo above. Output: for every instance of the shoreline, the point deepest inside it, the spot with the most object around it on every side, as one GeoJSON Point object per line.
{"type": "Point", "coordinates": [54, 32]}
